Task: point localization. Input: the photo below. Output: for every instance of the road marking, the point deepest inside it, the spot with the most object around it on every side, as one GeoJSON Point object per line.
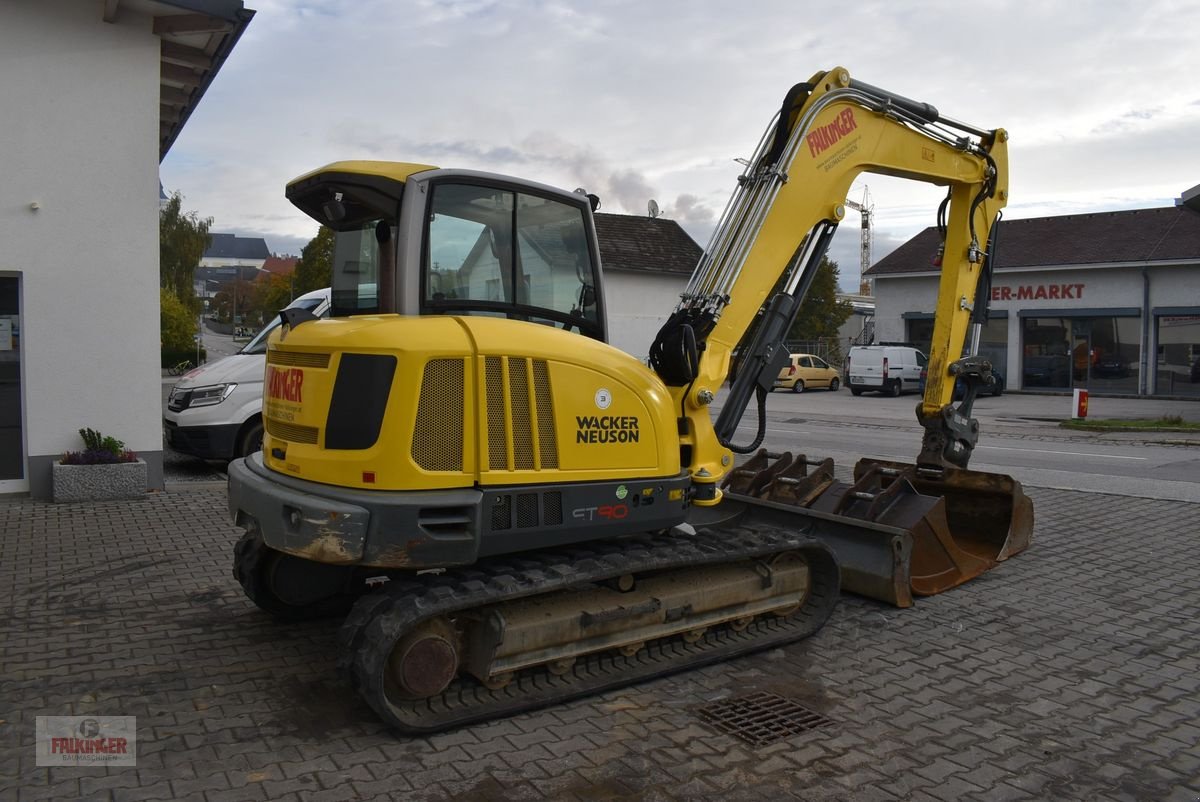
{"type": "Point", "coordinates": [750, 428]}
{"type": "Point", "coordinates": [1066, 453]}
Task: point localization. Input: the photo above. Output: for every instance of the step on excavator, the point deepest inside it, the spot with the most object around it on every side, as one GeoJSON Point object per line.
{"type": "Point", "coordinates": [510, 513]}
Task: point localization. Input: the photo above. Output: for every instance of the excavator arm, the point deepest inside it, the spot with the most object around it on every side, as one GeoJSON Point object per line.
{"type": "Point", "coordinates": [777, 227]}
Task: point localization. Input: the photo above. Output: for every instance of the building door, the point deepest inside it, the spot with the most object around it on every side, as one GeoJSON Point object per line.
{"type": "Point", "coordinates": [12, 446]}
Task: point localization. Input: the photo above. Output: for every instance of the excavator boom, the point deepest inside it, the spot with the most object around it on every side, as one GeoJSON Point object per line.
{"type": "Point", "coordinates": [955, 523]}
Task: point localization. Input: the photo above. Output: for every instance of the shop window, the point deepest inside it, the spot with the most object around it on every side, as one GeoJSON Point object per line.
{"type": "Point", "coordinates": [1097, 353]}
{"type": "Point", "coordinates": [1178, 370]}
{"type": "Point", "coordinates": [1046, 353]}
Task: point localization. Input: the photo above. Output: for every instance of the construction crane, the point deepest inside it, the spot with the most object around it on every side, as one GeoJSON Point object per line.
{"type": "Point", "coordinates": [865, 209]}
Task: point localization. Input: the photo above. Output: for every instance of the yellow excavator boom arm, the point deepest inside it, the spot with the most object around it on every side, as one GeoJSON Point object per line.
{"type": "Point", "coordinates": [776, 228]}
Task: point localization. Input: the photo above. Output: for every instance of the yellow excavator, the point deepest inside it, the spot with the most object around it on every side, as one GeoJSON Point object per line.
{"type": "Point", "coordinates": [512, 512]}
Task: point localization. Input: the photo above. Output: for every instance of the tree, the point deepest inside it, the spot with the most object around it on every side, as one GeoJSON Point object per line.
{"type": "Point", "coordinates": [177, 324]}
{"type": "Point", "coordinates": [239, 293]}
{"type": "Point", "coordinates": [315, 268]}
{"type": "Point", "coordinates": [182, 241]}
{"type": "Point", "coordinates": [822, 314]}
{"type": "Point", "coordinates": [273, 294]}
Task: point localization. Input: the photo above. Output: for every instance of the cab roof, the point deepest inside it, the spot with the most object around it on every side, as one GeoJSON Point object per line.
{"type": "Point", "coordinates": [368, 189]}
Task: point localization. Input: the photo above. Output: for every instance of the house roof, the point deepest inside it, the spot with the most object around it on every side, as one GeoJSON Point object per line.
{"type": "Point", "coordinates": [280, 265]}
{"type": "Point", "coordinates": [231, 246]}
{"type": "Point", "coordinates": [1164, 234]}
{"type": "Point", "coordinates": [655, 245]}
{"type": "Point", "coordinates": [197, 36]}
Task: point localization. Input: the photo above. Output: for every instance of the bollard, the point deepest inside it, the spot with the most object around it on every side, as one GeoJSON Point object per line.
{"type": "Point", "coordinates": [1079, 403]}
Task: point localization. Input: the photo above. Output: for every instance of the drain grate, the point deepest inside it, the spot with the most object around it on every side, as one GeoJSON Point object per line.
{"type": "Point", "coordinates": [761, 718]}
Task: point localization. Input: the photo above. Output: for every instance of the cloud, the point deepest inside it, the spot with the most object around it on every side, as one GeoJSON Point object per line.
{"type": "Point", "coordinates": [696, 217]}
{"type": "Point", "coordinates": [636, 100]}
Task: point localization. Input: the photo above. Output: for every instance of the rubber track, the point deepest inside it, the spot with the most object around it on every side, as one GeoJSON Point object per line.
{"type": "Point", "coordinates": [377, 621]}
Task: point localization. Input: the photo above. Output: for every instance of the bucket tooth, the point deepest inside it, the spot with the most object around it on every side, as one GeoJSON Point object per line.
{"type": "Point", "coordinates": [756, 473]}
{"type": "Point", "coordinates": [799, 486]}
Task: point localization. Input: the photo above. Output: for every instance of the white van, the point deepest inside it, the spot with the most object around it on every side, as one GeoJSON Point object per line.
{"type": "Point", "coordinates": [215, 411]}
{"type": "Point", "coordinates": [888, 369]}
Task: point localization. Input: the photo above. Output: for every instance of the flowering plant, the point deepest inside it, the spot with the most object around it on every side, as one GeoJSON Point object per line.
{"type": "Point", "coordinates": [98, 450]}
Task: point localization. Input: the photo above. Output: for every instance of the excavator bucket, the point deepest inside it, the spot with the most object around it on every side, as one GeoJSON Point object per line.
{"type": "Point", "coordinates": [899, 529]}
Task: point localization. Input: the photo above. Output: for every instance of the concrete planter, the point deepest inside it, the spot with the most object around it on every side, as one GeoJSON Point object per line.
{"type": "Point", "coordinates": [121, 480]}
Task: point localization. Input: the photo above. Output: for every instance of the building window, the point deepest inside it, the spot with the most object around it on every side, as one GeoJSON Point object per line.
{"type": "Point", "coordinates": [1097, 353]}
{"type": "Point", "coordinates": [1178, 339]}
{"type": "Point", "coordinates": [920, 333]}
{"type": "Point", "coordinates": [993, 341]}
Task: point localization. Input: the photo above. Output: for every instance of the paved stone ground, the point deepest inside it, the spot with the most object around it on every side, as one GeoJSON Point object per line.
{"type": "Point", "coordinates": [1072, 672]}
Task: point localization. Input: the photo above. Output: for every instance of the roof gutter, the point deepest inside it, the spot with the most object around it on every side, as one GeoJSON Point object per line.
{"type": "Point", "coordinates": [1039, 268]}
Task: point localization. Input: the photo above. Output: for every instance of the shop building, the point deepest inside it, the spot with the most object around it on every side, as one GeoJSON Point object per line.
{"type": "Point", "coordinates": [1109, 302]}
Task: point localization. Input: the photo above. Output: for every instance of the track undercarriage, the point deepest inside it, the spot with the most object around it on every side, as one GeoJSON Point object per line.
{"type": "Point", "coordinates": [437, 650]}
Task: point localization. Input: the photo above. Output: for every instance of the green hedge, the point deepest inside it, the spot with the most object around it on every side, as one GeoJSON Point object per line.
{"type": "Point", "coordinates": [171, 358]}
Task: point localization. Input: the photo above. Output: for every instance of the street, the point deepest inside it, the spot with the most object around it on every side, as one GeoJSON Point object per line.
{"type": "Point", "coordinates": [1019, 436]}
{"type": "Point", "coordinates": [220, 345]}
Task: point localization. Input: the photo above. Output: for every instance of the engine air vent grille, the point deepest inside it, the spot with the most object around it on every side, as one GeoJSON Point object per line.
{"type": "Point", "coordinates": [493, 369]}
{"type": "Point", "coordinates": [523, 428]}
{"type": "Point", "coordinates": [547, 440]}
{"type": "Point", "coordinates": [502, 514]}
{"type": "Point", "coordinates": [297, 359]}
{"type": "Point", "coordinates": [522, 424]}
{"type": "Point", "coordinates": [292, 432]}
{"type": "Point", "coordinates": [527, 510]}
{"type": "Point", "coordinates": [552, 508]}
{"type": "Point", "coordinates": [437, 443]}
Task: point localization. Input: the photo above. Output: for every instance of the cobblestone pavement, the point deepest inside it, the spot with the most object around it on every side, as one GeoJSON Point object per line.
{"type": "Point", "coordinates": [1071, 672]}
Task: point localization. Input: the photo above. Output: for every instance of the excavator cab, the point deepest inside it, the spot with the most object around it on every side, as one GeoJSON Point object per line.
{"type": "Point", "coordinates": [417, 240]}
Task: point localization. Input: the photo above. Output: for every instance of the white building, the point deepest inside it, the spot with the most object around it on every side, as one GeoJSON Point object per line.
{"type": "Point", "coordinates": [93, 95]}
{"type": "Point", "coordinates": [1109, 302]}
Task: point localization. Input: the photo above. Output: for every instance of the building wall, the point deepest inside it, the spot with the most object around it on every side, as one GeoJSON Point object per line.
{"type": "Point", "coordinates": [638, 304]}
{"type": "Point", "coordinates": [80, 132]}
{"type": "Point", "coordinates": [1068, 292]}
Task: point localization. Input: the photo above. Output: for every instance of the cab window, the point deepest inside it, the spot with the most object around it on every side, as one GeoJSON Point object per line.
{"type": "Point", "coordinates": [356, 267]}
{"type": "Point", "coordinates": [494, 251]}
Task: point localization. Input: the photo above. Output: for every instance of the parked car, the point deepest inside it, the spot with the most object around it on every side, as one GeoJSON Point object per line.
{"type": "Point", "coordinates": [807, 371]}
{"type": "Point", "coordinates": [887, 369]}
{"type": "Point", "coordinates": [215, 411]}
{"type": "Point", "coordinates": [1110, 366]}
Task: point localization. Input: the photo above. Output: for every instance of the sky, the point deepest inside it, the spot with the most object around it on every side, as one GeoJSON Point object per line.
{"type": "Point", "coordinates": [656, 100]}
